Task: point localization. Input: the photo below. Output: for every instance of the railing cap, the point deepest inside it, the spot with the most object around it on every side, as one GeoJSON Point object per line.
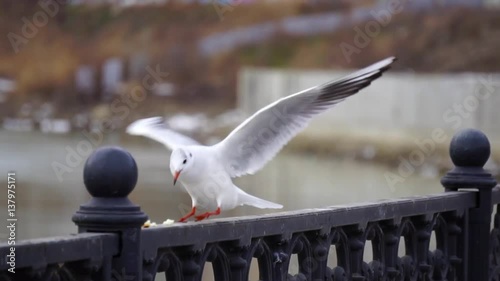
{"type": "Point", "coordinates": [469, 151]}
{"type": "Point", "coordinates": [470, 148]}
{"type": "Point", "coordinates": [110, 172]}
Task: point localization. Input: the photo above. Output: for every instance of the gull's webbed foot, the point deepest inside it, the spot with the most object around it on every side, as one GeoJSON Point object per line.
{"type": "Point", "coordinates": [190, 214]}
{"type": "Point", "coordinates": [207, 214]}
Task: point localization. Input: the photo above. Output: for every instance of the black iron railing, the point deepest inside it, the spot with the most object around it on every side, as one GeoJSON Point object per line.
{"type": "Point", "coordinates": [399, 231]}
{"type": "Point", "coordinates": [86, 256]}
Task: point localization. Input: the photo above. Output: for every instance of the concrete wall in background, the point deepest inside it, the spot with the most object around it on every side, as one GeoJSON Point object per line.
{"type": "Point", "coordinates": [398, 102]}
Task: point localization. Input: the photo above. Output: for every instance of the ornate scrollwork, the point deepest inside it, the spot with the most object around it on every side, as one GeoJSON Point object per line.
{"type": "Point", "coordinates": [194, 262]}
{"type": "Point", "coordinates": [339, 238]}
{"type": "Point", "coordinates": [71, 271]}
{"type": "Point", "coordinates": [165, 261]}
{"type": "Point", "coordinates": [231, 260]}
{"type": "Point", "coordinates": [300, 245]}
{"type": "Point", "coordinates": [262, 252]}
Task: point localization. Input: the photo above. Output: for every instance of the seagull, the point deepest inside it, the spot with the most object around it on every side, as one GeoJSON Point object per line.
{"type": "Point", "coordinates": [206, 172]}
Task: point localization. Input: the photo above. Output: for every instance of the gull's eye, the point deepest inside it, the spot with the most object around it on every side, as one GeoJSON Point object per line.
{"type": "Point", "coordinates": [184, 162]}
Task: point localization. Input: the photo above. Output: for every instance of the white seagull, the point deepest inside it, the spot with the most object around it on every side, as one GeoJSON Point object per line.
{"type": "Point", "coordinates": [207, 171]}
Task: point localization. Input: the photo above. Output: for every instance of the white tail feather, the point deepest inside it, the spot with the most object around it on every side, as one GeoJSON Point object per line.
{"type": "Point", "coordinates": [247, 199]}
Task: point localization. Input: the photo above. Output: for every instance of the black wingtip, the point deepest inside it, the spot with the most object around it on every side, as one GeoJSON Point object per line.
{"type": "Point", "coordinates": [358, 80]}
{"type": "Point", "coordinates": [381, 66]}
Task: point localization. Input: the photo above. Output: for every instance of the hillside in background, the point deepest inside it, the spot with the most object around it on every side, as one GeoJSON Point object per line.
{"type": "Point", "coordinates": [444, 40]}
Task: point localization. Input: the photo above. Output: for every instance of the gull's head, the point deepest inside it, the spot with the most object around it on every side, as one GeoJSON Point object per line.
{"type": "Point", "coordinates": [180, 160]}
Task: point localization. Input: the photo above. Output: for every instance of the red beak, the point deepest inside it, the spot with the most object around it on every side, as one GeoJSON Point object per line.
{"type": "Point", "coordinates": [176, 176]}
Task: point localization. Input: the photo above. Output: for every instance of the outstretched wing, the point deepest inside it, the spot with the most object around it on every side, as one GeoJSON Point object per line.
{"type": "Point", "coordinates": [156, 129]}
{"type": "Point", "coordinates": [259, 138]}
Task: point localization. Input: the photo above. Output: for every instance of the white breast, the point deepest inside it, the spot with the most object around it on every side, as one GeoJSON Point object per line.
{"type": "Point", "coordinates": [208, 183]}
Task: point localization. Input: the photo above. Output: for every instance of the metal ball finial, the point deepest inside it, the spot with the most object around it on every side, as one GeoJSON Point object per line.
{"type": "Point", "coordinates": [110, 172]}
{"type": "Point", "coordinates": [470, 148]}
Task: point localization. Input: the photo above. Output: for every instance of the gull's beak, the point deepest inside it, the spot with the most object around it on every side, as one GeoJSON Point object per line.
{"type": "Point", "coordinates": [176, 176]}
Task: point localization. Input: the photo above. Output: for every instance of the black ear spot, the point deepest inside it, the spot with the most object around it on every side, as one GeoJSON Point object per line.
{"type": "Point", "coordinates": [184, 162]}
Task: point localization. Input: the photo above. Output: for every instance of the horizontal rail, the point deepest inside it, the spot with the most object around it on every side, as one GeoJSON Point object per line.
{"type": "Point", "coordinates": [245, 228]}
{"type": "Point", "coordinates": [60, 249]}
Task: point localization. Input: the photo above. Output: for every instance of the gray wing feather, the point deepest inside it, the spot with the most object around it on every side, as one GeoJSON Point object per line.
{"type": "Point", "coordinates": [155, 128]}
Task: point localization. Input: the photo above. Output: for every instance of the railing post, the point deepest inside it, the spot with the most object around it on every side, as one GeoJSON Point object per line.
{"type": "Point", "coordinates": [110, 174]}
{"type": "Point", "coordinates": [469, 151]}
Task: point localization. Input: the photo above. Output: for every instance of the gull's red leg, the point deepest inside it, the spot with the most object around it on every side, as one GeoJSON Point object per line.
{"type": "Point", "coordinates": [190, 214]}
{"type": "Point", "coordinates": [207, 214]}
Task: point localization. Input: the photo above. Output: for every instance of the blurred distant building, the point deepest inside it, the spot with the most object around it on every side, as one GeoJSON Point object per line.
{"type": "Point", "coordinates": [85, 80]}
{"type": "Point", "coordinates": [420, 3]}
{"type": "Point", "coordinates": [118, 2]}
{"type": "Point", "coordinates": [449, 3]}
{"type": "Point", "coordinates": [112, 76]}
{"type": "Point", "coordinates": [126, 3]}
{"type": "Point", "coordinates": [493, 3]}
{"type": "Point", "coordinates": [138, 2]}
{"type": "Point", "coordinates": [7, 86]}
